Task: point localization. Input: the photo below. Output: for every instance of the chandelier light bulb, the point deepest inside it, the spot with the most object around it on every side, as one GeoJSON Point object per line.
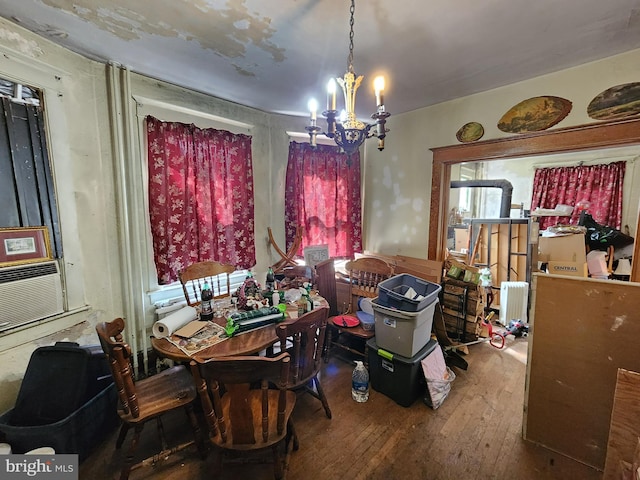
{"type": "Point", "coordinates": [331, 95]}
{"type": "Point", "coordinates": [378, 86]}
{"type": "Point", "coordinates": [313, 108]}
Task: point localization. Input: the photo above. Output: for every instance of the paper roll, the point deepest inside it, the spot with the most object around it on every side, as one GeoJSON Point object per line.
{"type": "Point", "coordinates": [171, 323]}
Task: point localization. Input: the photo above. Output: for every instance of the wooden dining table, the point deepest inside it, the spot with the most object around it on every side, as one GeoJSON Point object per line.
{"type": "Point", "coordinates": [246, 343]}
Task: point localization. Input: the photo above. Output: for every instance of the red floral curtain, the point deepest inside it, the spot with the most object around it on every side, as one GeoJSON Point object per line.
{"type": "Point", "coordinates": [200, 197]}
{"type": "Point", "coordinates": [600, 185]}
{"type": "Point", "coordinates": [322, 194]}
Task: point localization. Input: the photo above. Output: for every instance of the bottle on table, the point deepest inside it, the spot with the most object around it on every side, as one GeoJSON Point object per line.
{"type": "Point", "coordinates": [309, 302]}
{"type": "Point", "coordinates": [302, 305]}
{"type": "Point", "coordinates": [271, 280]}
{"type": "Point", "coordinates": [206, 299]}
{"type": "Point", "coordinates": [360, 383]}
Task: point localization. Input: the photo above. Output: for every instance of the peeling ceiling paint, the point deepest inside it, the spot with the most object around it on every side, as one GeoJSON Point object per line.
{"type": "Point", "coordinates": [273, 55]}
{"type": "Point", "coordinates": [226, 31]}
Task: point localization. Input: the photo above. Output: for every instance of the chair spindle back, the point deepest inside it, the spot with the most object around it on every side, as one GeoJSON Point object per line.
{"type": "Point", "coordinates": [118, 354]}
{"type": "Point", "coordinates": [195, 275]}
{"type": "Point", "coordinates": [249, 419]}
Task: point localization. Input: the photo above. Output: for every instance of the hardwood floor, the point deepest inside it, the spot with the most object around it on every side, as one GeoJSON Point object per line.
{"type": "Point", "coordinates": [475, 434]}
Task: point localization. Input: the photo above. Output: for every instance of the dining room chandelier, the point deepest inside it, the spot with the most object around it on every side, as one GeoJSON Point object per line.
{"type": "Point", "coordinates": [347, 131]}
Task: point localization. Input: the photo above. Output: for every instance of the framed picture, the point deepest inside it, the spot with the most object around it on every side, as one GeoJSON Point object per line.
{"type": "Point", "coordinates": [24, 245]}
{"type": "Point", "coordinates": [315, 254]}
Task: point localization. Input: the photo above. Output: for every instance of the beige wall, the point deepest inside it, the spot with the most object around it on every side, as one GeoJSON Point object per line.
{"type": "Point", "coordinates": [75, 95]}
{"type": "Point", "coordinates": [398, 180]}
{"type": "Point", "coordinates": [94, 170]}
{"type": "Point", "coordinates": [100, 177]}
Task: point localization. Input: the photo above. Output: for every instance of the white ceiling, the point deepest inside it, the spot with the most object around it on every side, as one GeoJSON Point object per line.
{"type": "Point", "coordinates": [275, 54]}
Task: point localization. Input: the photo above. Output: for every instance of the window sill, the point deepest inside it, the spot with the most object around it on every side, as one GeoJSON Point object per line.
{"type": "Point", "coordinates": [40, 328]}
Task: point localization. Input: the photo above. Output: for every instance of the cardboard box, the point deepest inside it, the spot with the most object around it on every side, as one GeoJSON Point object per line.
{"type": "Point", "coordinates": [461, 239]}
{"type": "Point", "coordinates": [574, 269]}
{"type": "Point", "coordinates": [567, 248]}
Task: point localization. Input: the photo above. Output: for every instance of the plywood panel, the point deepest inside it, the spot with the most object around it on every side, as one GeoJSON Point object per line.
{"type": "Point", "coordinates": [625, 423]}
{"type": "Point", "coordinates": [583, 330]}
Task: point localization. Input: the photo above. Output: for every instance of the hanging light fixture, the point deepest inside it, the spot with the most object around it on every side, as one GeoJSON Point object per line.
{"type": "Point", "coordinates": [346, 130]}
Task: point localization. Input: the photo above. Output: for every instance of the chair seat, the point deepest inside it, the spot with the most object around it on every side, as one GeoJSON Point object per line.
{"type": "Point", "coordinates": [254, 403]}
{"type": "Point", "coordinates": [167, 390]}
{"type": "Point", "coordinates": [356, 331]}
{"type": "Point", "coordinates": [341, 337]}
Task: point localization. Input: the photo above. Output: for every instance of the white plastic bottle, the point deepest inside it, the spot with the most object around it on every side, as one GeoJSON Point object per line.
{"type": "Point", "coordinates": [360, 383]}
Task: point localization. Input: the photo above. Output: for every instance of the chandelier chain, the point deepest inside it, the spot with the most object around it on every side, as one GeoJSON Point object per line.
{"type": "Point", "coordinates": [351, 23]}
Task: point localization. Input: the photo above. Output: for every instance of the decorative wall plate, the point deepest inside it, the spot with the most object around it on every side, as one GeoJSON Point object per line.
{"type": "Point", "coordinates": [470, 132]}
{"type": "Point", "coordinates": [621, 101]}
{"type": "Point", "coordinates": [535, 114]}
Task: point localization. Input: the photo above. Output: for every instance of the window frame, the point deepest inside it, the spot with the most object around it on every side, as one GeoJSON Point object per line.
{"type": "Point", "coordinates": [51, 83]}
{"type": "Point", "coordinates": [162, 295]}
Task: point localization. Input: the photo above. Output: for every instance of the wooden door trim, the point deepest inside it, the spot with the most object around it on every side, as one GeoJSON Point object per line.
{"type": "Point", "coordinates": [570, 139]}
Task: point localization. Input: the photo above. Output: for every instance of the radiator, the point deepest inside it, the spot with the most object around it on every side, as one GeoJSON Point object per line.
{"type": "Point", "coordinates": [29, 293]}
{"type": "Point", "coordinates": [514, 297]}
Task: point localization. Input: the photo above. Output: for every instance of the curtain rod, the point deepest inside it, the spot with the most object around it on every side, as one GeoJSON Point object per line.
{"type": "Point", "coordinates": [598, 161]}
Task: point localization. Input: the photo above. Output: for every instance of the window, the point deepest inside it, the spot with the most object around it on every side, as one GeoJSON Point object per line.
{"type": "Point", "coordinates": [26, 183]}
{"type": "Point", "coordinates": [200, 197]}
{"type": "Point", "coordinates": [173, 295]}
{"type": "Point", "coordinates": [28, 200]}
{"type": "Point", "coordinates": [322, 194]}
{"type": "Point", "coordinates": [599, 185]}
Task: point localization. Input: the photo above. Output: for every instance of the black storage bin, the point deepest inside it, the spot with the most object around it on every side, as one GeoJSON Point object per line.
{"type": "Point", "coordinates": [80, 432]}
{"type": "Point", "coordinates": [67, 401]}
{"type": "Point", "coordinates": [399, 378]}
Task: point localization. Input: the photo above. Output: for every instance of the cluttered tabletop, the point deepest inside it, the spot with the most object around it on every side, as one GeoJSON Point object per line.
{"type": "Point", "coordinates": [184, 335]}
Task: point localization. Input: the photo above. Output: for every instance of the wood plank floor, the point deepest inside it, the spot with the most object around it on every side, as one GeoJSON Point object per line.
{"type": "Point", "coordinates": [475, 434]}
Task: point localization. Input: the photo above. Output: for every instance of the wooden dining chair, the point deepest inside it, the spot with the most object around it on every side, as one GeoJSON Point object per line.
{"type": "Point", "coordinates": [147, 399]}
{"type": "Point", "coordinates": [326, 284]}
{"type": "Point", "coordinates": [304, 340]}
{"type": "Point", "coordinates": [244, 413]}
{"type": "Point", "coordinates": [216, 274]}
{"type": "Point", "coordinates": [365, 273]}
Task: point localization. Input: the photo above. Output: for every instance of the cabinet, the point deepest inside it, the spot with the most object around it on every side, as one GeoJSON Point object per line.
{"type": "Point", "coordinates": [503, 245]}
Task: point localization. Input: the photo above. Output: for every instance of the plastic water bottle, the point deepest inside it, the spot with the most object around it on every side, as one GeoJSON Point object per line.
{"type": "Point", "coordinates": [360, 383]}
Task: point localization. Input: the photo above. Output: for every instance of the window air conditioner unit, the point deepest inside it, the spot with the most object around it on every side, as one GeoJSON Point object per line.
{"type": "Point", "coordinates": [29, 293]}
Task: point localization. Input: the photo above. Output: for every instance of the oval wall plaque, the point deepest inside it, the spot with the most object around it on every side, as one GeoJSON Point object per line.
{"type": "Point", "coordinates": [470, 132]}
{"type": "Point", "coordinates": [621, 101]}
{"type": "Point", "coordinates": [535, 114]}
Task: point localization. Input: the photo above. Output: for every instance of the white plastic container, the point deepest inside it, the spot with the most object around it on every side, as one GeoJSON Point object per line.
{"type": "Point", "coordinates": [401, 332]}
